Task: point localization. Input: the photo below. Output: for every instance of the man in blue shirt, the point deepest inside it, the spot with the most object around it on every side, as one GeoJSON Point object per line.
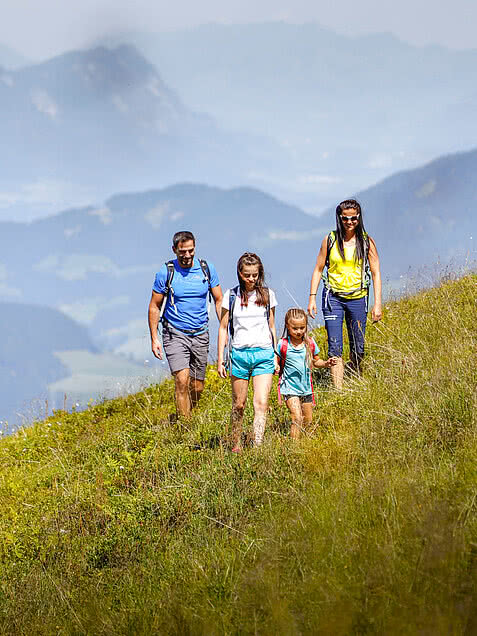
{"type": "Point", "coordinates": [185, 330]}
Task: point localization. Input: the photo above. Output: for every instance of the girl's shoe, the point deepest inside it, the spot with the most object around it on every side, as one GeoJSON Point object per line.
{"type": "Point", "coordinates": [236, 449]}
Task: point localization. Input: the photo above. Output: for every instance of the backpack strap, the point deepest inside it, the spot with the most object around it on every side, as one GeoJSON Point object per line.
{"type": "Point", "coordinates": [206, 271]}
{"type": "Point", "coordinates": [169, 295]}
{"type": "Point", "coordinates": [366, 273]}
{"type": "Point", "coordinates": [329, 246]}
{"type": "Point", "coordinates": [282, 360]}
{"type": "Point", "coordinates": [313, 353]}
{"type": "Point", "coordinates": [232, 298]}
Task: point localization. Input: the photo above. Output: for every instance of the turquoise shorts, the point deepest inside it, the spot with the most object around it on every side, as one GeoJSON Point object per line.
{"type": "Point", "coordinates": [245, 363]}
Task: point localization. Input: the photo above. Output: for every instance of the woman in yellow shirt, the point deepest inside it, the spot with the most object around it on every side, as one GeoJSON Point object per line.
{"type": "Point", "coordinates": [349, 255]}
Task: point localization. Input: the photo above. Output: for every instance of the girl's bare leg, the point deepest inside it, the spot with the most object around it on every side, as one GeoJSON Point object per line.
{"type": "Point", "coordinates": [307, 410]}
{"type": "Point", "coordinates": [294, 406]}
{"type": "Point", "coordinates": [239, 398]}
{"type": "Point", "coordinates": [261, 391]}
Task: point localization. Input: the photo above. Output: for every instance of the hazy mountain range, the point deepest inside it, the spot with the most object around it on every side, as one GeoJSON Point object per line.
{"type": "Point", "coordinates": [296, 110]}
{"type": "Point", "coordinates": [350, 110]}
{"type": "Point", "coordinates": [88, 123]}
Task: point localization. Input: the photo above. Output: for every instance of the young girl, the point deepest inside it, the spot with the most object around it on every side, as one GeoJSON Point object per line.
{"type": "Point", "coordinates": [298, 355]}
{"type": "Point", "coordinates": [250, 310]}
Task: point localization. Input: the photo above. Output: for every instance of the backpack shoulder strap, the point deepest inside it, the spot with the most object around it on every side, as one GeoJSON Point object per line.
{"type": "Point", "coordinates": [205, 269]}
{"type": "Point", "coordinates": [232, 298]}
{"type": "Point", "coordinates": [169, 295]}
{"type": "Point", "coordinates": [312, 347]}
{"type": "Point", "coordinates": [329, 246]}
{"type": "Point", "coordinates": [283, 355]}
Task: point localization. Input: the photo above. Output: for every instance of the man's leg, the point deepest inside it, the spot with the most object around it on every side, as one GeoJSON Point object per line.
{"type": "Point", "coordinates": [182, 392]}
{"type": "Point", "coordinates": [199, 346]}
{"type": "Point", "coordinates": [195, 387]}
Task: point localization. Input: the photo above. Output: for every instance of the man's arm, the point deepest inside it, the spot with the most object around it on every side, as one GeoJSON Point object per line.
{"type": "Point", "coordinates": [217, 295]}
{"type": "Point", "coordinates": [153, 316]}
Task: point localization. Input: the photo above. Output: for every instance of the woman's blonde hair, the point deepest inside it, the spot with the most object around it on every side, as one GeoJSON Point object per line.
{"type": "Point", "coordinates": [296, 313]}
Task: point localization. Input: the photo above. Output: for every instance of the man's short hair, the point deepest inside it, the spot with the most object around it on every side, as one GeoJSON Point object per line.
{"type": "Point", "coordinates": [181, 237]}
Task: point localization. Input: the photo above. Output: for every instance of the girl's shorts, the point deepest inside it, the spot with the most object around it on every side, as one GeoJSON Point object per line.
{"type": "Point", "coordinates": [245, 363]}
{"type": "Point", "coordinates": [304, 399]}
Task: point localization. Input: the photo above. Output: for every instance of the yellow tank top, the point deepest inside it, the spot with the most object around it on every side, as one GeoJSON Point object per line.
{"type": "Point", "coordinates": [346, 276]}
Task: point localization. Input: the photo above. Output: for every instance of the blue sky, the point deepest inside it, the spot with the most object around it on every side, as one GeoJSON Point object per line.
{"type": "Point", "coordinates": [41, 28]}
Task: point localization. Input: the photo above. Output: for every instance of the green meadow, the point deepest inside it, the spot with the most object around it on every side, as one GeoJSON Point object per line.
{"type": "Point", "coordinates": [116, 521]}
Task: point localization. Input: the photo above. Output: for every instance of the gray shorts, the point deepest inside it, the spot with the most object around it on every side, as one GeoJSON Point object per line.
{"type": "Point", "coordinates": [184, 351]}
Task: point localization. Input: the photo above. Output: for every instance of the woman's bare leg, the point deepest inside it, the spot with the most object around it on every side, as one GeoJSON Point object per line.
{"type": "Point", "coordinates": [261, 392]}
{"type": "Point", "coordinates": [337, 372]}
{"type": "Point", "coordinates": [239, 398]}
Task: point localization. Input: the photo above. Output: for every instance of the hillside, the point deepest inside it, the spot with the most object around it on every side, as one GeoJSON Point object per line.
{"type": "Point", "coordinates": [113, 521]}
{"type": "Point", "coordinates": [31, 334]}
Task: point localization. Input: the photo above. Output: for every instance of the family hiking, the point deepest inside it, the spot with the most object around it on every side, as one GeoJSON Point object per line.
{"type": "Point", "coordinates": [247, 347]}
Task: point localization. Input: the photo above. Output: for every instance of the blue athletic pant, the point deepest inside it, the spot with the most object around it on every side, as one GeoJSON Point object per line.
{"type": "Point", "coordinates": [354, 312]}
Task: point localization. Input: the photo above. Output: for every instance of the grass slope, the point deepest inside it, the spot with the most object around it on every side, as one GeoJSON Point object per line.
{"type": "Point", "coordinates": [115, 522]}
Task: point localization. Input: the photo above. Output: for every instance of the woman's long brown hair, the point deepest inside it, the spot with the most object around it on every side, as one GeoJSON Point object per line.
{"type": "Point", "coordinates": [249, 258]}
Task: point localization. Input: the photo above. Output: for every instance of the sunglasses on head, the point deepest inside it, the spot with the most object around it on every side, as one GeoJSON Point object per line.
{"type": "Point", "coordinates": [349, 218]}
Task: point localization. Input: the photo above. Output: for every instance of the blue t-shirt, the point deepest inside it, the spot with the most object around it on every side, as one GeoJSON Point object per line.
{"type": "Point", "coordinates": [296, 378]}
{"type": "Point", "coordinates": [190, 287]}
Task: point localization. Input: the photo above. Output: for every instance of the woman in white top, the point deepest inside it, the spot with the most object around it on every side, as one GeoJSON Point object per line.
{"type": "Point", "coordinates": [248, 310]}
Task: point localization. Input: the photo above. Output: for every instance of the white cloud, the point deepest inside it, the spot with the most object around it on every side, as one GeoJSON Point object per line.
{"type": "Point", "coordinates": [104, 215]}
{"type": "Point", "coordinates": [156, 215]}
{"type": "Point", "coordinates": [77, 266]}
{"type": "Point", "coordinates": [46, 192]}
{"type": "Point", "coordinates": [7, 80]}
{"type": "Point", "coordinates": [294, 235]}
{"type": "Point", "coordinates": [9, 292]}
{"type": "Point", "coordinates": [86, 310]}
{"type": "Point", "coordinates": [44, 103]}
{"type": "Point", "coordinates": [318, 179]}
{"type": "Point", "coordinates": [380, 160]}
{"type": "Point", "coordinates": [120, 104]}
{"type": "Point", "coordinates": [161, 211]}
{"type": "Point", "coordinates": [72, 231]}
{"type": "Point", "coordinates": [5, 290]}
{"type": "Point", "coordinates": [427, 189]}
{"type": "Point", "coordinates": [153, 86]}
